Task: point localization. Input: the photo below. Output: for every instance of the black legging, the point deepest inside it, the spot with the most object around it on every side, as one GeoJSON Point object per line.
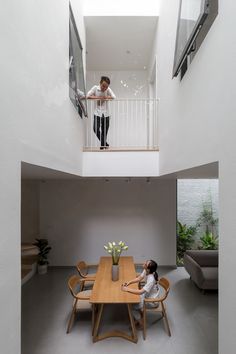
{"type": "Point", "coordinates": [100, 128]}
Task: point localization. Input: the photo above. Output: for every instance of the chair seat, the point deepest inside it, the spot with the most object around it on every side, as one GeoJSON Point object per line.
{"type": "Point", "coordinates": [83, 305]}
{"type": "Point", "coordinates": [88, 283]}
{"type": "Point", "coordinates": [83, 302]}
{"type": "Point", "coordinates": [85, 294]}
{"type": "Point", "coordinates": [152, 305]}
{"type": "Point", "coordinates": [91, 276]}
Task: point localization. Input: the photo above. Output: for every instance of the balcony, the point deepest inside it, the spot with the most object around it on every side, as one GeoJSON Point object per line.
{"type": "Point", "coordinates": [133, 125]}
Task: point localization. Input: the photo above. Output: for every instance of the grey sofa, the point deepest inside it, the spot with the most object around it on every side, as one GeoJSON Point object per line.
{"type": "Point", "coordinates": [202, 266]}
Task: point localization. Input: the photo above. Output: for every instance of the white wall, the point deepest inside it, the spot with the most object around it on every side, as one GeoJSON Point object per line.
{"type": "Point", "coordinates": [192, 196]}
{"type": "Point", "coordinates": [121, 8]}
{"type": "Point", "coordinates": [36, 110]}
{"type": "Point", "coordinates": [79, 217]}
{"type": "Point", "coordinates": [29, 210]}
{"type": "Point", "coordinates": [116, 164]}
{"type": "Point", "coordinates": [10, 274]}
{"type": "Point", "coordinates": [194, 111]}
{"type": "Point", "coordinates": [38, 125]}
{"type": "Point", "coordinates": [198, 126]}
{"type": "Point", "coordinates": [125, 84]}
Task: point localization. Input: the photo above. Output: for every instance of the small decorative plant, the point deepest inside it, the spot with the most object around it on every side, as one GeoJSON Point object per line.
{"type": "Point", "coordinates": [208, 241]}
{"type": "Point", "coordinates": [44, 249]}
{"type": "Point", "coordinates": [115, 250]}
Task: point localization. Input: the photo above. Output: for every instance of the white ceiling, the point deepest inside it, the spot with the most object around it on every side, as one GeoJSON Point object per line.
{"type": "Point", "coordinates": [29, 171]}
{"type": "Point", "coordinates": [119, 42]}
{"type": "Point", "coordinates": [208, 171]}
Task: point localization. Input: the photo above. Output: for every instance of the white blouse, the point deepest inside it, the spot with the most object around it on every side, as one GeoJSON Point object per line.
{"type": "Point", "coordinates": [101, 107]}
{"type": "Point", "coordinates": [151, 287]}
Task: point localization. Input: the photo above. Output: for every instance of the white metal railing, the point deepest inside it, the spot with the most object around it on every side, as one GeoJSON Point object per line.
{"type": "Point", "coordinates": [133, 124]}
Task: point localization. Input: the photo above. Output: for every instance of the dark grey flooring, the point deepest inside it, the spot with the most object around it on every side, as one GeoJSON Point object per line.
{"type": "Point", "coordinates": [46, 305]}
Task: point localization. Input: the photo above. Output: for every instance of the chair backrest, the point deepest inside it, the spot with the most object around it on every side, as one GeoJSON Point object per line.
{"type": "Point", "coordinates": [166, 285]}
{"type": "Point", "coordinates": [82, 268]}
{"type": "Point", "coordinates": [74, 285]}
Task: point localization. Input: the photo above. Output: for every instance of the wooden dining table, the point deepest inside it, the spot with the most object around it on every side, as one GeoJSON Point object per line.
{"type": "Point", "coordinates": [105, 291]}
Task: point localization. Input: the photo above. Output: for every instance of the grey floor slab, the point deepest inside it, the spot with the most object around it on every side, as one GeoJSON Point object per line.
{"type": "Point", "coordinates": [46, 305]}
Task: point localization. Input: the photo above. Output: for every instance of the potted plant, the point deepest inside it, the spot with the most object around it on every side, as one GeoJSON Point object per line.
{"type": "Point", "coordinates": [43, 249]}
{"type": "Point", "coordinates": [115, 250]}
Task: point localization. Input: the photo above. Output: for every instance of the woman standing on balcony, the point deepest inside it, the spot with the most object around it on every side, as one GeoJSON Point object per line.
{"type": "Point", "coordinates": [102, 93]}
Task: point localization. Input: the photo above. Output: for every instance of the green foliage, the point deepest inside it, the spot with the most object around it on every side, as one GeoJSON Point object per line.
{"type": "Point", "coordinates": [208, 241]}
{"type": "Point", "coordinates": [206, 219]}
{"type": "Point", "coordinates": [185, 240]}
{"type": "Point", "coordinates": [115, 249]}
{"type": "Point", "coordinates": [44, 249]}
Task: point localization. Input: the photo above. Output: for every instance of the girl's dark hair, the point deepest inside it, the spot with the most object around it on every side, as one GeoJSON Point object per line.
{"type": "Point", "coordinates": [152, 267]}
{"type": "Point", "coordinates": [106, 79]}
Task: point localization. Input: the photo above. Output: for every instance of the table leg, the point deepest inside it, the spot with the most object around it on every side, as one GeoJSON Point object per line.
{"type": "Point", "coordinates": [115, 333]}
{"type": "Point", "coordinates": [93, 317]}
{"type": "Point", "coordinates": [97, 322]}
{"type": "Point", "coordinates": [134, 332]}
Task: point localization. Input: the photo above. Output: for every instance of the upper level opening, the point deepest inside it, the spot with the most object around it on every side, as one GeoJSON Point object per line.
{"type": "Point", "coordinates": [120, 47]}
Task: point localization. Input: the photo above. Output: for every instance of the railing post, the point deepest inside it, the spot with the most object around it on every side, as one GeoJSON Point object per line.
{"type": "Point", "coordinates": [133, 124]}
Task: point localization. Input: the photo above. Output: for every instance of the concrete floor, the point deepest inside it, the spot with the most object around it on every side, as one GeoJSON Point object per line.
{"type": "Point", "coordinates": [46, 305]}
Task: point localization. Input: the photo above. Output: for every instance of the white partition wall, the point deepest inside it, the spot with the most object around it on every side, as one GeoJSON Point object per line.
{"type": "Point", "coordinates": [38, 125]}
{"type": "Point", "coordinates": [197, 125]}
{"type": "Point", "coordinates": [79, 217]}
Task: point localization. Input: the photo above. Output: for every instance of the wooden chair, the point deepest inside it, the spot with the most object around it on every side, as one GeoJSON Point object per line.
{"type": "Point", "coordinates": [165, 285]}
{"type": "Point", "coordinates": [81, 299]}
{"type": "Point", "coordinates": [86, 277]}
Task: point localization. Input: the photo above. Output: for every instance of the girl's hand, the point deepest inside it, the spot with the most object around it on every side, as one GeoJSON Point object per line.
{"type": "Point", "coordinates": [124, 287]}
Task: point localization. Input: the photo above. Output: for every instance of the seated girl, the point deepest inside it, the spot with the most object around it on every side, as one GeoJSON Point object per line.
{"type": "Point", "coordinates": [149, 290]}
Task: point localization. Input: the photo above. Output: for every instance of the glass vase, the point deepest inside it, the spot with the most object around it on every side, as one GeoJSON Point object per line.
{"type": "Point", "coordinates": [115, 272]}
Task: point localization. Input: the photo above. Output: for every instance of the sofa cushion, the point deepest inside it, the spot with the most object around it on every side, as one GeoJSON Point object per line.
{"type": "Point", "coordinates": [210, 275]}
{"type": "Point", "coordinates": [205, 258]}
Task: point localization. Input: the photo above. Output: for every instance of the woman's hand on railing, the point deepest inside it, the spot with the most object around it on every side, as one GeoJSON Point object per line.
{"type": "Point", "coordinates": [100, 98]}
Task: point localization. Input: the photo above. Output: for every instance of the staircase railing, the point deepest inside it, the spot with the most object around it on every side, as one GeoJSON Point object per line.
{"type": "Point", "coordinates": [133, 125]}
